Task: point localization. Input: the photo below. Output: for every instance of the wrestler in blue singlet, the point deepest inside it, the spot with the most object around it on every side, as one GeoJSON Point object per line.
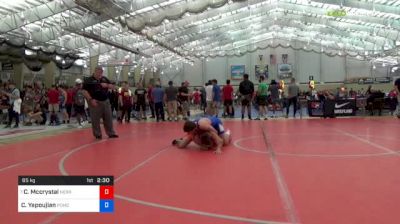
{"type": "Point", "coordinates": [216, 123]}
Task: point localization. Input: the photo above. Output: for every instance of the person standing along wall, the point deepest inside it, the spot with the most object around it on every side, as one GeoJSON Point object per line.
{"type": "Point", "coordinates": [216, 97]}
{"type": "Point", "coordinates": [70, 101]}
{"type": "Point", "coordinates": [62, 101]}
{"type": "Point", "coordinates": [262, 94]}
{"type": "Point", "coordinates": [125, 99]}
{"type": "Point", "coordinates": [79, 102]}
{"type": "Point", "coordinates": [274, 94]}
{"type": "Point", "coordinates": [209, 97]}
{"type": "Point", "coordinates": [158, 98]}
{"type": "Point", "coordinates": [196, 96]}
{"type": "Point", "coordinates": [246, 90]}
{"type": "Point", "coordinates": [14, 100]}
{"type": "Point", "coordinates": [183, 95]}
{"type": "Point", "coordinates": [150, 100]}
{"type": "Point", "coordinates": [227, 91]}
{"type": "Point", "coordinates": [171, 92]}
{"type": "Point", "coordinates": [140, 95]}
{"type": "Point", "coordinates": [293, 93]}
{"type": "Point", "coordinates": [96, 92]}
{"type": "Point", "coordinates": [203, 98]}
{"type": "Point", "coordinates": [53, 96]}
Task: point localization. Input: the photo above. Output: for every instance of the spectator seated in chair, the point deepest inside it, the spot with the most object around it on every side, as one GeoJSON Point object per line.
{"type": "Point", "coordinates": [37, 115]}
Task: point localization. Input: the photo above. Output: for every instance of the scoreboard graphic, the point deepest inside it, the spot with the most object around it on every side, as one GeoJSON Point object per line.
{"type": "Point", "coordinates": [66, 194]}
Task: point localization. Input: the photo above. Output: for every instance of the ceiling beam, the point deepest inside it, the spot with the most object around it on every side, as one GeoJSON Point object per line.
{"type": "Point", "coordinates": [16, 20]}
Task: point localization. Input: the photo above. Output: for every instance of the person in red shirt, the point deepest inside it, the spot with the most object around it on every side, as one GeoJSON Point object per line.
{"type": "Point", "coordinates": [227, 93]}
{"type": "Point", "coordinates": [196, 98]}
{"type": "Point", "coordinates": [125, 99]}
{"type": "Point", "coordinates": [54, 107]}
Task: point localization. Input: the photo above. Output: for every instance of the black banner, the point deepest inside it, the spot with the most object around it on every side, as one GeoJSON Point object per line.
{"type": "Point", "coordinates": [7, 66]}
{"type": "Point", "coordinates": [66, 180]}
{"type": "Point", "coordinates": [345, 107]}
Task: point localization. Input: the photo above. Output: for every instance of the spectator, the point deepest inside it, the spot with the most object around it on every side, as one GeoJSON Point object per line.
{"type": "Point", "coordinates": [126, 102]}
{"type": "Point", "coordinates": [79, 102]}
{"type": "Point", "coordinates": [171, 93]}
{"type": "Point", "coordinates": [293, 93]}
{"type": "Point", "coordinates": [15, 104]}
{"type": "Point", "coordinates": [196, 98]}
{"type": "Point", "coordinates": [227, 91]}
{"type": "Point", "coordinates": [246, 90]}
{"type": "Point", "coordinates": [113, 96]}
{"type": "Point", "coordinates": [70, 101]}
{"type": "Point", "coordinates": [158, 98]}
{"type": "Point", "coordinates": [150, 100]}
{"type": "Point", "coordinates": [54, 107]}
{"type": "Point", "coordinates": [40, 95]}
{"type": "Point", "coordinates": [262, 93]}
{"type": "Point", "coordinates": [62, 101]}
{"type": "Point", "coordinates": [216, 97]}
{"type": "Point", "coordinates": [274, 94]}
{"type": "Point", "coordinates": [140, 95]}
{"type": "Point", "coordinates": [28, 101]}
{"type": "Point", "coordinates": [209, 97]}
{"type": "Point", "coordinates": [392, 101]}
{"type": "Point", "coordinates": [4, 106]}
{"type": "Point", "coordinates": [183, 97]}
{"type": "Point", "coordinates": [352, 93]}
{"type": "Point", "coordinates": [37, 115]}
{"type": "Point", "coordinates": [203, 97]}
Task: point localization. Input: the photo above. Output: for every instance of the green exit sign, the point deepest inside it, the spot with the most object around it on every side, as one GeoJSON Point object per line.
{"type": "Point", "coordinates": [337, 13]}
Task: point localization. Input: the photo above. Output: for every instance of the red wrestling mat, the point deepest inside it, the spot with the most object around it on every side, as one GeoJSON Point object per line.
{"type": "Point", "coordinates": [292, 171]}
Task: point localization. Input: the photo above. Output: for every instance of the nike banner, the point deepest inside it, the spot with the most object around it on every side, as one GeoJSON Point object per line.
{"type": "Point", "coordinates": [343, 107]}
{"type": "Point", "coordinates": [332, 107]}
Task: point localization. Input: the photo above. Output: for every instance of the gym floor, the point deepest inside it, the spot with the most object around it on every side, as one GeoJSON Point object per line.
{"type": "Point", "coordinates": [277, 171]}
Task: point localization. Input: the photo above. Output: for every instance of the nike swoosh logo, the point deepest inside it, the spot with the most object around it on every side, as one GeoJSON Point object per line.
{"type": "Point", "coordinates": [341, 105]}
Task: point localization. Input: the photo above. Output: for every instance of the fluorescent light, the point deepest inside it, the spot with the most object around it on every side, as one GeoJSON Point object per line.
{"type": "Point", "coordinates": [29, 52]}
{"type": "Point", "coordinates": [79, 62]}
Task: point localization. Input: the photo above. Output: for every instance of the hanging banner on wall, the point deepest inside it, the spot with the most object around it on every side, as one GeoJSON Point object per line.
{"type": "Point", "coordinates": [366, 81]}
{"type": "Point", "coordinates": [261, 71]}
{"type": "Point", "coordinates": [284, 71]}
{"type": "Point", "coordinates": [7, 66]}
{"type": "Point", "coordinates": [382, 80]}
{"type": "Point", "coordinates": [237, 72]}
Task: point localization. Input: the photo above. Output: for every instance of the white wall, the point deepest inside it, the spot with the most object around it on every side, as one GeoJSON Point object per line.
{"type": "Point", "coordinates": [307, 64]}
{"type": "Point", "coordinates": [356, 68]}
{"type": "Point", "coordinates": [332, 69]}
{"type": "Point", "coordinates": [322, 67]}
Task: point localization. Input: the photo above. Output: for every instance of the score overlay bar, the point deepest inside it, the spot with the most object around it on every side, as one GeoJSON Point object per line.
{"type": "Point", "coordinates": [66, 194]}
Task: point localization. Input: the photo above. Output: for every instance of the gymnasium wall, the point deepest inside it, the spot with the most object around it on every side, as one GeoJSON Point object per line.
{"type": "Point", "coordinates": [323, 68]}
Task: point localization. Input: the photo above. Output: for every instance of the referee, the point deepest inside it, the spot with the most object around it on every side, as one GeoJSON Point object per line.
{"type": "Point", "coordinates": [96, 93]}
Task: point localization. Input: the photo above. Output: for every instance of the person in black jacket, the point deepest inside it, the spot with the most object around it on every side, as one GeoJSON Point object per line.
{"type": "Point", "coordinates": [96, 89]}
{"type": "Point", "coordinates": [246, 90]}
